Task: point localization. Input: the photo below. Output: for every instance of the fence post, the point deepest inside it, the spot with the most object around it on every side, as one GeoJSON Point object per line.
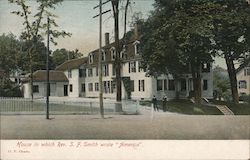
{"type": "Point", "coordinates": [91, 111]}
{"type": "Point", "coordinates": [137, 106]}
{"type": "Point", "coordinates": [152, 112]}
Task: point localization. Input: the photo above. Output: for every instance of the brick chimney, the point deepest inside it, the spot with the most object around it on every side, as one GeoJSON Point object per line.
{"type": "Point", "coordinates": [136, 30]}
{"type": "Point", "coordinates": [106, 39]}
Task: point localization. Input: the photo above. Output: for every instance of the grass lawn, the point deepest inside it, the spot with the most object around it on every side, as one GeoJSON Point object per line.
{"type": "Point", "coordinates": [238, 109]}
{"type": "Point", "coordinates": [28, 106]}
{"type": "Point", "coordinates": [186, 107]}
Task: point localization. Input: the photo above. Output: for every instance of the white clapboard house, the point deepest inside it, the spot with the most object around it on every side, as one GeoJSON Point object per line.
{"type": "Point", "coordinates": [58, 84]}
{"type": "Point", "coordinates": [243, 78]}
{"type": "Point", "coordinates": [82, 75]}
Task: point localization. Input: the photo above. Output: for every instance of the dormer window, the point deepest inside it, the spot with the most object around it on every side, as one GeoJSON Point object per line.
{"type": "Point", "coordinates": [137, 47]}
{"type": "Point", "coordinates": [91, 58]}
{"type": "Point", "coordinates": [113, 52]}
{"type": "Point", "coordinates": [103, 55]}
{"type": "Point", "coordinates": [247, 71]}
{"type": "Point", "coordinates": [206, 67]}
{"type": "Point", "coordinates": [123, 54]}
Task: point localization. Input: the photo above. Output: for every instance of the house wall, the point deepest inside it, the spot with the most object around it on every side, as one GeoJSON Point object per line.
{"type": "Point", "coordinates": [150, 84]}
{"type": "Point", "coordinates": [136, 76]}
{"type": "Point", "coordinates": [74, 81]}
{"type": "Point", "coordinates": [60, 88]}
{"type": "Point", "coordinates": [57, 89]}
{"type": "Point", "coordinates": [171, 94]}
{"type": "Point", "coordinates": [240, 76]}
{"type": "Point", "coordinates": [26, 90]}
{"type": "Point", "coordinates": [209, 77]}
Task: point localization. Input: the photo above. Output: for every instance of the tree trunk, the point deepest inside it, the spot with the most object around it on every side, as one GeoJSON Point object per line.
{"type": "Point", "coordinates": [31, 73]}
{"type": "Point", "coordinates": [232, 77]}
{"type": "Point", "coordinates": [177, 92]}
{"type": "Point", "coordinates": [199, 94]}
{"type": "Point", "coordinates": [125, 19]}
{"type": "Point", "coordinates": [196, 76]}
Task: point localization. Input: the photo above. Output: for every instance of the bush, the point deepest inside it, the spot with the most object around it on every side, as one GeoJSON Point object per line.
{"type": "Point", "coordinates": [245, 98]}
{"type": "Point", "coordinates": [9, 89]}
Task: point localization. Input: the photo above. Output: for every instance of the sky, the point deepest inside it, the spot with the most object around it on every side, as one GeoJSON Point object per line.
{"type": "Point", "coordinates": [76, 17]}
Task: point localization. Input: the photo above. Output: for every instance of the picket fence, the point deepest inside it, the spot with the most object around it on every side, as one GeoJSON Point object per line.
{"type": "Point", "coordinates": [16, 105]}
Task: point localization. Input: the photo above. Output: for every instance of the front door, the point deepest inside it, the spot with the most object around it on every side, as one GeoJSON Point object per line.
{"type": "Point", "coordinates": [65, 90]}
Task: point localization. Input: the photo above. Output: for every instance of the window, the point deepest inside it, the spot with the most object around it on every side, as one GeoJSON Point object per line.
{"type": "Point", "coordinates": [247, 72]}
{"type": "Point", "coordinates": [105, 69]}
{"type": "Point", "coordinates": [96, 71]}
{"type": "Point", "coordinates": [159, 85]}
{"type": "Point", "coordinates": [123, 54]}
{"type": "Point", "coordinates": [35, 89]}
{"type": "Point", "coordinates": [103, 55]}
{"type": "Point", "coordinates": [83, 87]}
{"type": "Point", "coordinates": [91, 58]}
{"type": "Point", "coordinates": [141, 85]}
{"type": "Point", "coordinates": [243, 84]}
{"type": "Point", "coordinates": [171, 86]}
{"type": "Point", "coordinates": [90, 85]}
{"type": "Point", "coordinates": [183, 85]}
{"type": "Point", "coordinates": [113, 69]}
{"type": "Point", "coordinates": [132, 66]}
{"type": "Point", "coordinates": [140, 68]}
{"type": "Point", "coordinates": [71, 88]}
{"type": "Point", "coordinates": [113, 86]}
{"type": "Point", "coordinates": [108, 86]}
{"type": "Point", "coordinates": [96, 86]}
{"type": "Point", "coordinates": [206, 67]}
{"type": "Point", "coordinates": [205, 85]}
{"type": "Point", "coordinates": [113, 52]}
{"type": "Point", "coordinates": [165, 84]}
{"type": "Point", "coordinates": [132, 86]}
{"type": "Point", "coordinates": [90, 72]}
{"type": "Point", "coordinates": [137, 47]}
{"type": "Point", "coordinates": [69, 73]}
{"type": "Point", "coordinates": [82, 73]}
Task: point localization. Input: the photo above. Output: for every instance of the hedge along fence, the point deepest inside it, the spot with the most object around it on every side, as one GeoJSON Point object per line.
{"type": "Point", "coordinates": [21, 105]}
{"type": "Point", "coordinates": [245, 98]}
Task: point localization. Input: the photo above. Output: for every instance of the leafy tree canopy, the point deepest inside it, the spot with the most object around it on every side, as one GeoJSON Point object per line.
{"type": "Point", "coordinates": [61, 55]}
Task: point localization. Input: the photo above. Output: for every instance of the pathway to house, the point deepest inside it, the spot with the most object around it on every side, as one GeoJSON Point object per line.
{"type": "Point", "coordinates": [225, 110]}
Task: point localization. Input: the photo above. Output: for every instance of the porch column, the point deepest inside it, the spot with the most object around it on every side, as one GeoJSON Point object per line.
{"type": "Point", "coordinates": [187, 88]}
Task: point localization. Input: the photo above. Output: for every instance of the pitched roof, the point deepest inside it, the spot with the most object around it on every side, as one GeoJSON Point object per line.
{"type": "Point", "coordinates": [245, 64]}
{"type": "Point", "coordinates": [130, 54]}
{"type": "Point", "coordinates": [54, 76]}
{"type": "Point", "coordinates": [72, 64]}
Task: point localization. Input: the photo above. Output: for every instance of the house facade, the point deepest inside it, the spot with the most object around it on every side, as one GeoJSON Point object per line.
{"type": "Point", "coordinates": [58, 84]}
{"type": "Point", "coordinates": [243, 79]}
{"type": "Point", "coordinates": [136, 84]}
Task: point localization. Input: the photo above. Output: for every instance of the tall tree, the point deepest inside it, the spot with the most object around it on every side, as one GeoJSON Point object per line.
{"type": "Point", "coordinates": [221, 83]}
{"type": "Point", "coordinates": [178, 36]}
{"type": "Point", "coordinates": [10, 53]}
{"type": "Point", "coordinates": [231, 30]}
{"type": "Point", "coordinates": [36, 26]}
{"type": "Point", "coordinates": [59, 56]}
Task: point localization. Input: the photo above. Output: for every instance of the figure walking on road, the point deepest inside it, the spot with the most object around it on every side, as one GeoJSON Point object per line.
{"type": "Point", "coordinates": [164, 103]}
{"type": "Point", "coordinates": [154, 101]}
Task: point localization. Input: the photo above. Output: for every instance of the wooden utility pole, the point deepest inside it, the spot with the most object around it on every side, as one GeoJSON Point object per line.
{"type": "Point", "coordinates": [115, 6]}
{"type": "Point", "coordinates": [100, 61]}
{"type": "Point", "coordinates": [100, 55]}
{"type": "Point", "coordinates": [47, 67]}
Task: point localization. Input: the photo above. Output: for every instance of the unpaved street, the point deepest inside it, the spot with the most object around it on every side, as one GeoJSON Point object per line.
{"type": "Point", "coordinates": [146, 126]}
